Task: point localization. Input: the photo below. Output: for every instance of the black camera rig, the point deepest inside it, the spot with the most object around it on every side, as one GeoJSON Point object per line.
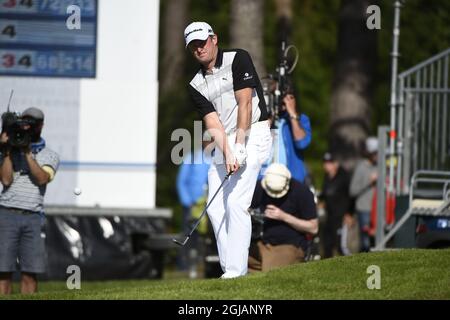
{"type": "Point", "coordinates": [18, 129]}
{"type": "Point", "coordinates": [279, 84]}
{"type": "Point", "coordinates": [257, 218]}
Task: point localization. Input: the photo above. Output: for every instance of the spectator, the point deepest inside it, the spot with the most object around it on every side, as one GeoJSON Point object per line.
{"type": "Point", "coordinates": [25, 171]}
{"type": "Point", "coordinates": [290, 215]}
{"type": "Point", "coordinates": [362, 188]}
{"type": "Point", "coordinates": [293, 136]}
{"type": "Point", "coordinates": [336, 199]}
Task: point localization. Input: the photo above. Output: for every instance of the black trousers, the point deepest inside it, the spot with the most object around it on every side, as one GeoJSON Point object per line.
{"type": "Point", "coordinates": [331, 238]}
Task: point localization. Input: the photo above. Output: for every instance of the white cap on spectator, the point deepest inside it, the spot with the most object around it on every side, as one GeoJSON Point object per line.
{"type": "Point", "coordinates": [372, 145]}
{"type": "Point", "coordinates": [276, 180]}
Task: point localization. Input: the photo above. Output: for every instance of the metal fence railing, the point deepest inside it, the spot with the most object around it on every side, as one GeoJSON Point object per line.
{"type": "Point", "coordinates": [419, 136]}
{"type": "Point", "coordinates": [423, 120]}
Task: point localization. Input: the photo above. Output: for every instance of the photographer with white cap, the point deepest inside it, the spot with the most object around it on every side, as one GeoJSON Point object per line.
{"type": "Point", "coordinates": [290, 215]}
{"type": "Point", "coordinates": [228, 95]}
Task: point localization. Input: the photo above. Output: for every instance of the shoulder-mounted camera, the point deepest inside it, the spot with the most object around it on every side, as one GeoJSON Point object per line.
{"type": "Point", "coordinates": [18, 129]}
{"type": "Point", "coordinates": [279, 84]}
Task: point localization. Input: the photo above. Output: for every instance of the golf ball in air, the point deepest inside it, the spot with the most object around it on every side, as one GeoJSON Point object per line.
{"type": "Point", "coordinates": [77, 191]}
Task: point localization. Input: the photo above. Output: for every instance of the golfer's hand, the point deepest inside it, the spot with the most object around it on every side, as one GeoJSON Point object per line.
{"type": "Point", "coordinates": [273, 212]}
{"type": "Point", "coordinates": [240, 153]}
{"type": "Point", "coordinates": [231, 163]}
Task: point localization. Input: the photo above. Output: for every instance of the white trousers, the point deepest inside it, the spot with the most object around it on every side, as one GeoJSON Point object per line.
{"type": "Point", "coordinates": [228, 212]}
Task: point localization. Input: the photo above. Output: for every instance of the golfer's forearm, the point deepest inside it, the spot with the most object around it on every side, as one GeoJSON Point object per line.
{"type": "Point", "coordinates": [216, 131]}
{"type": "Point", "coordinates": [244, 101]}
{"type": "Point", "coordinates": [308, 226]}
{"type": "Point", "coordinates": [207, 144]}
{"type": "Point", "coordinates": [243, 120]}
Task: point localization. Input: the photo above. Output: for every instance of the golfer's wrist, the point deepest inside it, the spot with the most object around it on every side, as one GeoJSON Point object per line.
{"type": "Point", "coordinates": [228, 153]}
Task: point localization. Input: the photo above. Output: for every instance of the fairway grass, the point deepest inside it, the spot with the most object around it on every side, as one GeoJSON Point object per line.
{"type": "Point", "coordinates": [404, 274]}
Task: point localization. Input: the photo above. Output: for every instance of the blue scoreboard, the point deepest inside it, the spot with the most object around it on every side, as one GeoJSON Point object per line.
{"type": "Point", "coordinates": [38, 38]}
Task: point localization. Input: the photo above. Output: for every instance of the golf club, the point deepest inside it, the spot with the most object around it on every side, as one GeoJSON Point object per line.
{"type": "Point", "coordinates": [203, 213]}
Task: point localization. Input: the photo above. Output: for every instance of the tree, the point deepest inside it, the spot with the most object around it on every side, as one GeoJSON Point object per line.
{"type": "Point", "coordinates": [175, 20]}
{"type": "Point", "coordinates": [246, 31]}
{"type": "Point", "coordinates": [353, 82]}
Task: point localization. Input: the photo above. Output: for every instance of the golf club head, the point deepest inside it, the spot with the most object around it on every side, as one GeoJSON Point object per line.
{"type": "Point", "coordinates": [179, 242]}
{"type": "Point", "coordinates": [203, 213]}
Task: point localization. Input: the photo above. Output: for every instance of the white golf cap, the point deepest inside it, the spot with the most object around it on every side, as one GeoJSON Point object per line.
{"type": "Point", "coordinates": [372, 144]}
{"type": "Point", "coordinates": [276, 180]}
{"type": "Point", "coordinates": [197, 31]}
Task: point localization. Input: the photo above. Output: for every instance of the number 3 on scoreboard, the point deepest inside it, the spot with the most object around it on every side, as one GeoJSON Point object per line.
{"type": "Point", "coordinates": [9, 3]}
{"type": "Point", "coordinates": [13, 3]}
{"type": "Point", "coordinates": [8, 60]}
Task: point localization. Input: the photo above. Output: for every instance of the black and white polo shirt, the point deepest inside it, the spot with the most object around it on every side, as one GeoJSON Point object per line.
{"type": "Point", "coordinates": [234, 70]}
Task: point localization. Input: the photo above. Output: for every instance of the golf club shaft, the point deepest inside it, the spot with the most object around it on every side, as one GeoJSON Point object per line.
{"type": "Point", "coordinates": [206, 208]}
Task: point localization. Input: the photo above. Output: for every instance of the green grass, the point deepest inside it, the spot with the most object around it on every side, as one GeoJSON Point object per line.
{"type": "Point", "coordinates": [405, 274]}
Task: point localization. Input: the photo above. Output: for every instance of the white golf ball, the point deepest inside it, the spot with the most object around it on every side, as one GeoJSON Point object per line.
{"type": "Point", "coordinates": [77, 191]}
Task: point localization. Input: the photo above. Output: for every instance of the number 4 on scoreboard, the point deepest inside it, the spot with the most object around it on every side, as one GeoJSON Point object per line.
{"type": "Point", "coordinates": [9, 30]}
{"type": "Point", "coordinates": [25, 61]}
{"type": "Point", "coordinates": [26, 3]}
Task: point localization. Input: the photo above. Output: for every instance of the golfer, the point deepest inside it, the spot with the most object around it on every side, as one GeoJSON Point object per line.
{"type": "Point", "coordinates": [228, 96]}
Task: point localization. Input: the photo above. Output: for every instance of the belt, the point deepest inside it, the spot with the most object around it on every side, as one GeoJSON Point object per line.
{"type": "Point", "coordinates": [18, 210]}
{"type": "Point", "coordinates": [261, 124]}
{"type": "Point", "coordinates": [258, 124]}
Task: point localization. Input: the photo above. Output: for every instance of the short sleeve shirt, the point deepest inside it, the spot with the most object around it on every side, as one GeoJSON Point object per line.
{"type": "Point", "coordinates": [24, 193]}
{"type": "Point", "coordinates": [215, 92]}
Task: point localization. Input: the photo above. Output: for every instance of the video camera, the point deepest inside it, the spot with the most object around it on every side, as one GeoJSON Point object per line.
{"type": "Point", "coordinates": [18, 129]}
{"type": "Point", "coordinates": [280, 84]}
{"type": "Point", "coordinates": [257, 218]}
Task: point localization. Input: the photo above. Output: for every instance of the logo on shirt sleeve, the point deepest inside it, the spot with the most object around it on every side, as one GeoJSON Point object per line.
{"type": "Point", "coordinates": [247, 76]}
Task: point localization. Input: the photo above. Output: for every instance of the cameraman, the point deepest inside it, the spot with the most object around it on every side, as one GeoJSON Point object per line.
{"type": "Point", "coordinates": [290, 215]}
{"type": "Point", "coordinates": [24, 174]}
{"type": "Point", "coordinates": [293, 136]}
